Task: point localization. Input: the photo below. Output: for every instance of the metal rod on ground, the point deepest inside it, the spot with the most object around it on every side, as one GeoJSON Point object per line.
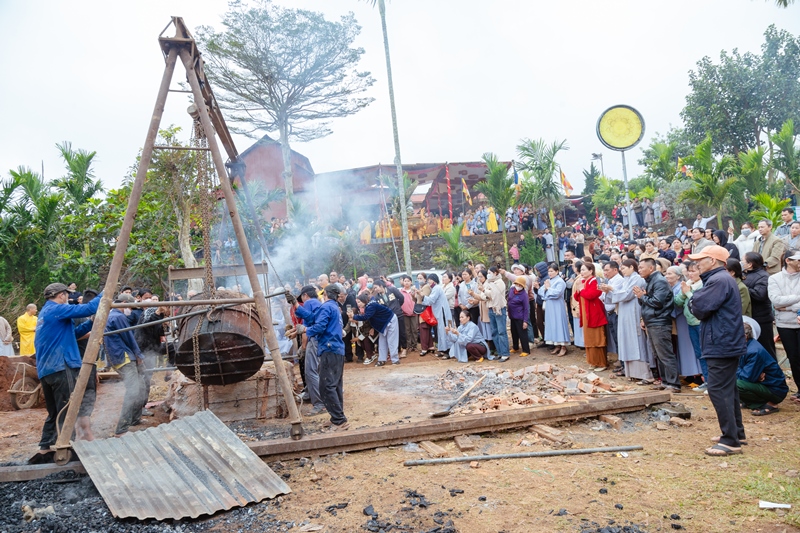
{"type": "Point", "coordinates": [551, 453]}
{"type": "Point", "coordinates": [63, 453]}
{"type": "Point", "coordinates": [264, 314]}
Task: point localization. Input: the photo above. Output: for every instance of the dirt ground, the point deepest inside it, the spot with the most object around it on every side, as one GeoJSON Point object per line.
{"type": "Point", "coordinates": [669, 485]}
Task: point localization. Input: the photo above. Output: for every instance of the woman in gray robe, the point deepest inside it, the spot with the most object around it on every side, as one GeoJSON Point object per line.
{"type": "Point", "coordinates": [441, 310]}
{"type": "Point", "coordinates": [632, 345]}
{"type": "Point", "coordinates": [688, 365]}
{"type": "Point", "coordinates": [466, 340]}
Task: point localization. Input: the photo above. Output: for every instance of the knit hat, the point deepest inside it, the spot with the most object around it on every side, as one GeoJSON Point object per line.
{"type": "Point", "coordinates": [521, 281]}
{"type": "Point", "coordinates": [517, 266]}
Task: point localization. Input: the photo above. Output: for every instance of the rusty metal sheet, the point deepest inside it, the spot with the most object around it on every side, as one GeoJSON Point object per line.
{"type": "Point", "coordinates": [190, 467]}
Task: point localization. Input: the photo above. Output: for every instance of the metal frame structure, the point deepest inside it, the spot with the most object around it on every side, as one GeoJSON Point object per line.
{"type": "Point", "coordinates": [182, 45]}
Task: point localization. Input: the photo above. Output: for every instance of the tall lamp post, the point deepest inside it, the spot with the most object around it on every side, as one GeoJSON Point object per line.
{"type": "Point", "coordinates": [620, 128]}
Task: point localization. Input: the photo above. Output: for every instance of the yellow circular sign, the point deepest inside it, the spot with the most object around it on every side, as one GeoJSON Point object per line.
{"type": "Point", "coordinates": [620, 127]}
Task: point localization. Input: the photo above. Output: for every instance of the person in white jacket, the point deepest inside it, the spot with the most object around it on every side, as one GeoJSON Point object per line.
{"type": "Point", "coordinates": [784, 292]}
{"type": "Point", "coordinates": [746, 240]}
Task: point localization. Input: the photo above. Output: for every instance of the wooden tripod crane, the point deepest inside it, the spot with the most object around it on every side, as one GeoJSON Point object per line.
{"type": "Point", "coordinates": [182, 45]}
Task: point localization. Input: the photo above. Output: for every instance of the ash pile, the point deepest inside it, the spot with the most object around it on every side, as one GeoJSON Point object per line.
{"type": "Point", "coordinates": [540, 384]}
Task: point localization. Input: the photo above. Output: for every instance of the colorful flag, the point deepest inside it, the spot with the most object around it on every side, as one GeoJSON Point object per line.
{"type": "Point", "coordinates": [565, 184]}
{"type": "Point", "coordinates": [466, 190]}
{"type": "Point", "coordinates": [516, 179]}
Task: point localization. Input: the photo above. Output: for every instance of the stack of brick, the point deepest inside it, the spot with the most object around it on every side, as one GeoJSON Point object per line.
{"type": "Point", "coordinates": [539, 384]}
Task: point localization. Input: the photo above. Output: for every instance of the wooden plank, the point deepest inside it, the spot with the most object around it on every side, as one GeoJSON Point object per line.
{"type": "Point", "coordinates": [614, 421]}
{"type": "Point", "coordinates": [547, 432]}
{"type": "Point", "coordinates": [464, 443]}
{"type": "Point", "coordinates": [28, 472]}
{"type": "Point", "coordinates": [443, 428]}
{"type": "Point", "coordinates": [220, 271]}
{"type": "Point", "coordinates": [434, 450]}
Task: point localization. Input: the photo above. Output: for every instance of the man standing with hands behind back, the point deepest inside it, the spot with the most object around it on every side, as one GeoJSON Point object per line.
{"type": "Point", "coordinates": [719, 307]}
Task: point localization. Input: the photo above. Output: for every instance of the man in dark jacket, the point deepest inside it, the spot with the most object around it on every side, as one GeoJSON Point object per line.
{"type": "Point", "coordinates": [718, 306]}
{"type": "Point", "coordinates": [347, 300]}
{"type": "Point", "coordinates": [127, 359]}
{"type": "Point", "coordinates": [327, 329]}
{"type": "Point", "coordinates": [656, 302]}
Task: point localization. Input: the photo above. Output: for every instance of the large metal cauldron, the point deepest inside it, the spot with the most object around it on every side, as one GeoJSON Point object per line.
{"type": "Point", "coordinates": [230, 343]}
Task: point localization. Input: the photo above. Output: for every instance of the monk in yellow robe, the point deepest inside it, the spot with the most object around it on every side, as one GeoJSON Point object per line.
{"type": "Point", "coordinates": [366, 232]}
{"type": "Point", "coordinates": [465, 227]}
{"type": "Point", "coordinates": [491, 221]}
{"type": "Point", "coordinates": [431, 225]}
{"type": "Point", "coordinates": [26, 325]}
{"type": "Point", "coordinates": [446, 225]}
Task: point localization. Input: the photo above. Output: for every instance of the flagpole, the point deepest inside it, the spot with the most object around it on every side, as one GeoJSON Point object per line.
{"type": "Point", "coordinates": [449, 195]}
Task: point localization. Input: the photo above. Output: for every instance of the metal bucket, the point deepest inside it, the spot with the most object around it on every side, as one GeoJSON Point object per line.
{"type": "Point", "coordinates": [230, 345]}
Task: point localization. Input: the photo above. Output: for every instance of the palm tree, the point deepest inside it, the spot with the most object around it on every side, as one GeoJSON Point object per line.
{"type": "Point", "coordinates": [712, 179]}
{"type": "Point", "coordinates": [769, 208]}
{"type": "Point", "coordinates": [454, 253]}
{"type": "Point", "coordinates": [498, 188]}
{"type": "Point", "coordinates": [79, 184]}
{"type": "Point", "coordinates": [607, 195]}
{"type": "Point", "coordinates": [664, 166]}
{"type": "Point", "coordinates": [753, 169]}
{"type": "Point", "coordinates": [409, 186]}
{"type": "Point", "coordinates": [787, 159]}
{"type": "Point", "coordinates": [400, 176]}
{"type": "Point", "coordinates": [539, 158]}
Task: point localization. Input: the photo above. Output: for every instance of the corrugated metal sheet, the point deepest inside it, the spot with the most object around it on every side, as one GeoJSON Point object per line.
{"type": "Point", "coordinates": [190, 467]}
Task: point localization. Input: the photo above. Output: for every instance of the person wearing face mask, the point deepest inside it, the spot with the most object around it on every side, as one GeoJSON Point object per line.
{"type": "Point", "coordinates": [124, 355]}
{"type": "Point", "coordinates": [784, 292]}
{"type": "Point", "coordinates": [746, 240]}
{"type": "Point", "coordinates": [494, 291]}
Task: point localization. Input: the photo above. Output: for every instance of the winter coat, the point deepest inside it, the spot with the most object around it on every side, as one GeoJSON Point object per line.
{"type": "Point", "coordinates": [657, 304]}
{"type": "Point", "coordinates": [784, 292]}
{"type": "Point", "coordinates": [718, 306]}
{"type": "Point", "coordinates": [593, 311]}
{"type": "Point", "coordinates": [757, 282]}
{"type": "Point", "coordinates": [758, 361]}
{"type": "Point", "coordinates": [771, 249]}
{"type": "Point", "coordinates": [519, 307]}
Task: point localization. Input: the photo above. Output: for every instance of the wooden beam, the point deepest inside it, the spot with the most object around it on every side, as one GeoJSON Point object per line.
{"type": "Point", "coordinates": [28, 472]}
{"type": "Point", "coordinates": [442, 428]}
{"type": "Point", "coordinates": [219, 271]}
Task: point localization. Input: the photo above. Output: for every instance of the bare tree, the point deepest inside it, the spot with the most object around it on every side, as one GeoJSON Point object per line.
{"type": "Point", "coordinates": [285, 70]}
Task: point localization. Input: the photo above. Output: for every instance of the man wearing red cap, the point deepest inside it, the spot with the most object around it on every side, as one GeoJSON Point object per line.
{"type": "Point", "coordinates": [718, 306]}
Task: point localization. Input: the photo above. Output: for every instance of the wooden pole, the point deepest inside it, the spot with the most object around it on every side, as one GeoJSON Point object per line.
{"type": "Point", "coordinates": [63, 453]}
{"type": "Point", "coordinates": [264, 314]}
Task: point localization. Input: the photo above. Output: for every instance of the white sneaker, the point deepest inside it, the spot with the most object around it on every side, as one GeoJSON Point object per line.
{"type": "Point", "coordinates": [370, 360]}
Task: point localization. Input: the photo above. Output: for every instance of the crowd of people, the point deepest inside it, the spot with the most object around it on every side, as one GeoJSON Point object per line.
{"type": "Point", "coordinates": [696, 308]}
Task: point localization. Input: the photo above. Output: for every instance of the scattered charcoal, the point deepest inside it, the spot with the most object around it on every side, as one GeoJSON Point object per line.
{"type": "Point", "coordinates": [349, 477]}
{"type": "Point", "coordinates": [603, 491]}
{"type": "Point", "coordinates": [453, 492]}
{"type": "Point", "coordinates": [287, 475]}
{"type": "Point", "coordinates": [370, 511]}
{"type": "Point", "coordinates": [376, 526]}
{"type": "Point", "coordinates": [483, 498]}
{"type": "Point", "coordinates": [674, 516]}
{"type": "Point", "coordinates": [562, 512]}
{"type": "Point", "coordinates": [676, 526]}
{"type": "Point", "coordinates": [619, 506]}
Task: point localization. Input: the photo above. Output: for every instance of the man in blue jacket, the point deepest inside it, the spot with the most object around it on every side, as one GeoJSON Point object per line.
{"type": "Point", "coordinates": [719, 307]}
{"type": "Point", "coordinates": [58, 361]}
{"type": "Point", "coordinates": [759, 378]}
{"type": "Point", "coordinates": [125, 356]}
{"type": "Point", "coordinates": [327, 330]}
{"type": "Point", "coordinates": [307, 309]}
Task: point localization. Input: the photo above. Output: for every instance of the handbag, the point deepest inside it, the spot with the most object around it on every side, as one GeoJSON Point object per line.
{"type": "Point", "coordinates": [419, 309]}
{"type": "Point", "coordinates": [427, 316]}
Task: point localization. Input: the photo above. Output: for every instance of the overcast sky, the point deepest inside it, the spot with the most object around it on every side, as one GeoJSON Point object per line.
{"type": "Point", "coordinates": [471, 76]}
